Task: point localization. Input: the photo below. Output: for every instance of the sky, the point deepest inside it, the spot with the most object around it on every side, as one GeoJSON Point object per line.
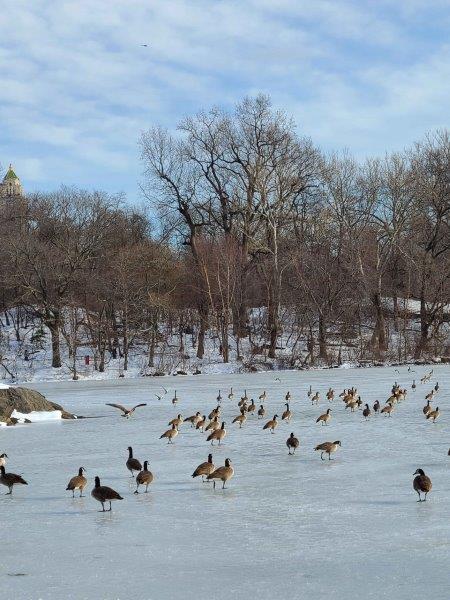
{"type": "Point", "coordinates": [77, 86]}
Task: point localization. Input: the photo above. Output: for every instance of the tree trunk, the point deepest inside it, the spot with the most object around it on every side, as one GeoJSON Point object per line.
{"type": "Point", "coordinates": [203, 314]}
{"type": "Point", "coordinates": [379, 340]}
{"type": "Point", "coordinates": [422, 344]}
{"type": "Point", "coordinates": [323, 350]}
{"type": "Point", "coordinates": [54, 326]}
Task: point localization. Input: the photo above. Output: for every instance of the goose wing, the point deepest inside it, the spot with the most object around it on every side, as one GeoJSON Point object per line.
{"type": "Point", "coordinates": [119, 406]}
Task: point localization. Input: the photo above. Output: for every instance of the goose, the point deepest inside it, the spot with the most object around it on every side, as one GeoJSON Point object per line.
{"type": "Point", "coordinates": [218, 434]}
{"type": "Point", "coordinates": [214, 413]}
{"type": "Point", "coordinates": [103, 494]}
{"type": "Point", "coordinates": [244, 397]}
{"type": "Point", "coordinates": [219, 398]}
{"type": "Point", "coordinates": [366, 412]}
{"type": "Point", "coordinates": [388, 409]}
{"type": "Point", "coordinates": [436, 387]}
{"type": "Point", "coordinates": [144, 477]}
{"type": "Point", "coordinates": [231, 395]}
{"type": "Point", "coordinates": [127, 412]}
{"type": "Point", "coordinates": [193, 419]}
{"type": "Point", "coordinates": [434, 414]}
{"type": "Point", "coordinates": [430, 395]}
{"type": "Point", "coordinates": [324, 418]}
{"type": "Point", "coordinates": [351, 404]}
{"type": "Point", "coordinates": [376, 406]}
{"type": "Point", "coordinates": [251, 407]}
{"type": "Point", "coordinates": [287, 414]}
{"type": "Point", "coordinates": [205, 468]}
{"type": "Point", "coordinates": [288, 397]}
{"type": "Point", "coordinates": [263, 396]}
{"type": "Point", "coordinates": [177, 421]}
{"type": "Point", "coordinates": [292, 443]}
{"type": "Point", "coordinates": [9, 480]}
{"type": "Point", "coordinates": [213, 424]}
{"type": "Point", "coordinates": [315, 399]}
{"type": "Point", "coordinates": [224, 473]}
{"type": "Point", "coordinates": [330, 395]}
{"type": "Point", "coordinates": [201, 423]}
{"type": "Point", "coordinates": [310, 391]}
{"type": "Point", "coordinates": [175, 399]}
{"type": "Point", "coordinates": [77, 483]}
{"type": "Point", "coordinates": [242, 402]}
{"type": "Point", "coordinates": [422, 484]}
{"type": "Point", "coordinates": [327, 448]}
{"type": "Point", "coordinates": [272, 424]}
{"type": "Point", "coordinates": [413, 386]}
{"type": "Point", "coordinates": [261, 412]}
{"type": "Point", "coordinates": [170, 434]}
{"type": "Point", "coordinates": [240, 419]}
{"type": "Point", "coordinates": [132, 464]}
{"type": "Point", "coordinates": [3, 458]}
{"type": "Point", "coordinates": [427, 408]}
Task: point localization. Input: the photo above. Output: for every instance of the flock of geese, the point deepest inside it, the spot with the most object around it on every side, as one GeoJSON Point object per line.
{"type": "Point", "coordinates": [213, 425]}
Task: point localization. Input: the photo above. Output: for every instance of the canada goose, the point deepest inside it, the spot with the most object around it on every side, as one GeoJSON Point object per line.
{"type": "Point", "coordinates": [177, 421]}
{"type": "Point", "coordinates": [77, 483]}
{"type": "Point", "coordinates": [170, 434]}
{"type": "Point", "coordinates": [436, 387]}
{"type": "Point", "coordinates": [330, 395]}
{"type": "Point", "coordinates": [242, 402]}
{"type": "Point", "coordinates": [175, 399]}
{"type": "Point", "coordinates": [243, 408]}
{"type": "Point", "coordinates": [205, 468]}
{"type": "Point", "coordinates": [144, 477]}
{"type": "Point", "coordinates": [193, 419]}
{"type": "Point", "coordinates": [218, 434]}
{"type": "Point", "coordinates": [9, 480]}
{"type": "Point", "coordinates": [231, 395]}
{"type": "Point", "coordinates": [327, 448]}
{"type": "Point", "coordinates": [244, 397]}
{"type": "Point", "coordinates": [434, 414]}
{"type": "Point", "coordinates": [263, 396]}
{"type": "Point", "coordinates": [366, 412]}
{"type": "Point", "coordinates": [413, 386]}
{"type": "Point", "coordinates": [351, 404]}
{"type": "Point", "coordinates": [127, 412]}
{"type": "Point", "coordinates": [272, 424]}
{"type": "Point", "coordinates": [310, 392]}
{"type": "Point", "coordinates": [3, 458]}
{"type": "Point", "coordinates": [376, 406]}
{"type": "Point", "coordinates": [214, 413]}
{"type": "Point", "coordinates": [251, 407]}
{"type": "Point", "coordinates": [223, 473]}
{"type": "Point", "coordinates": [240, 419]}
{"type": "Point", "coordinates": [422, 483]}
{"type": "Point", "coordinates": [430, 395]}
{"type": "Point", "coordinates": [213, 424]}
{"type": "Point", "coordinates": [288, 396]}
{"type": "Point", "coordinates": [315, 399]}
{"type": "Point", "coordinates": [324, 418]}
{"type": "Point", "coordinates": [427, 408]}
{"type": "Point", "coordinates": [261, 412]}
{"type": "Point", "coordinates": [292, 443]}
{"type": "Point", "coordinates": [388, 409]}
{"type": "Point", "coordinates": [132, 464]}
{"type": "Point", "coordinates": [201, 423]}
{"type": "Point", "coordinates": [287, 414]}
{"type": "Point", "coordinates": [103, 494]}
{"type": "Point", "coordinates": [219, 398]}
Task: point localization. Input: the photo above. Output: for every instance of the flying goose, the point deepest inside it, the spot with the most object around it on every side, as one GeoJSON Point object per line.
{"type": "Point", "coordinates": [144, 477]}
{"type": "Point", "coordinates": [324, 418]}
{"type": "Point", "coordinates": [224, 473]}
{"type": "Point", "coordinates": [422, 483]}
{"type": "Point", "coordinates": [9, 480]}
{"type": "Point", "coordinates": [77, 483]}
{"type": "Point", "coordinates": [217, 434]}
{"type": "Point", "coordinates": [170, 434]}
{"type": "Point", "coordinates": [292, 443]}
{"type": "Point", "coordinates": [103, 494]}
{"type": "Point", "coordinates": [327, 448]}
{"type": "Point", "coordinates": [205, 468]}
{"type": "Point", "coordinates": [132, 464]}
{"type": "Point", "coordinates": [127, 412]}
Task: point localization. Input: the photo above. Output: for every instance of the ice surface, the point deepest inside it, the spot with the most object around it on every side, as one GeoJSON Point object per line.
{"type": "Point", "coordinates": [287, 527]}
{"type": "Point", "coordinates": [37, 416]}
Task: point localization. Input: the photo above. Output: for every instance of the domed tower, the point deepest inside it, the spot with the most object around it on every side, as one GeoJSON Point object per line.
{"type": "Point", "coordinates": [11, 186]}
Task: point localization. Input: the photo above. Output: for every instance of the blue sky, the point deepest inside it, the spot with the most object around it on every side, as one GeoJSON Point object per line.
{"type": "Point", "coordinates": [77, 87]}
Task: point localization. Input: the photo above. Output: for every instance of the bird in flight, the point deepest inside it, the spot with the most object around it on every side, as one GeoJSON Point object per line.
{"type": "Point", "coordinates": [127, 412]}
{"type": "Point", "coordinates": [144, 45]}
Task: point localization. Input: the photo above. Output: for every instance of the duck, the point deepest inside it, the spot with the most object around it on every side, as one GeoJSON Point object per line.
{"type": "Point", "coordinates": [193, 419]}
{"type": "Point", "coordinates": [224, 473]}
{"type": "Point", "coordinates": [427, 408]}
{"type": "Point", "coordinates": [240, 419]}
{"type": "Point", "coordinates": [3, 458]}
{"type": "Point", "coordinates": [127, 412]}
{"type": "Point", "coordinates": [201, 423]}
{"type": "Point", "coordinates": [287, 414]}
{"type": "Point", "coordinates": [388, 409]}
{"type": "Point", "coordinates": [376, 406]}
{"type": "Point", "coordinates": [205, 468]}
{"type": "Point", "coordinates": [132, 464]}
{"type": "Point", "coordinates": [330, 395]}
{"type": "Point", "coordinates": [324, 418]}
{"type": "Point", "coordinates": [177, 421]}
{"type": "Point", "coordinates": [9, 480]}
{"type": "Point", "coordinates": [292, 443]}
{"type": "Point", "coordinates": [366, 412]}
{"type": "Point", "coordinates": [144, 477]}
{"type": "Point", "coordinates": [421, 484]}
{"type": "Point", "coordinates": [328, 448]}
{"type": "Point", "coordinates": [104, 494]}
{"type": "Point", "coordinates": [218, 434]}
{"type": "Point", "coordinates": [272, 424]}
{"type": "Point", "coordinates": [261, 412]}
{"type": "Point", "coordinates": [434, 414]}
{"type": "Point", "coordinates": [170, 434]}
{"type": "Point", "coordinates": [77, 483]}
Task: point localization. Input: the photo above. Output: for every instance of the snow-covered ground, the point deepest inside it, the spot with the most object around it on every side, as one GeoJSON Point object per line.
{"type": "Point", "coordinates": [286, 527]}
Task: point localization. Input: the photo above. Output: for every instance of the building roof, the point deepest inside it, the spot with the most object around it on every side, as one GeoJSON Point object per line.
{"type": "Point", "coordinates": [10, 174]}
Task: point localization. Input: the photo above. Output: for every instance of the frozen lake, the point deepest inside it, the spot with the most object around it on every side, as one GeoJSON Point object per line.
{"type": "Point", "coordinates": [286, 527]}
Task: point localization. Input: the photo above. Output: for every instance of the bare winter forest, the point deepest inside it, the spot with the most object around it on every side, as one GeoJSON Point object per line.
{"type": "Point", "coordinates": [255, 248]}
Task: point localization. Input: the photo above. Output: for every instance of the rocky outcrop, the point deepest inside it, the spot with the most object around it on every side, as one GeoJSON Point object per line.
{"type": "Point", "coordinates": [25, 401]}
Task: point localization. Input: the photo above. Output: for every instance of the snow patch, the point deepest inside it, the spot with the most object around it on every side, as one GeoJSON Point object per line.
{"type": "Point", "coordinates": [4, 386]}
{"type": "Point", "coordinates": [37, 416]}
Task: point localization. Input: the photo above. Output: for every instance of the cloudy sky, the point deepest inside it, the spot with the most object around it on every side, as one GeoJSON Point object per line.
{"type": "Point", "coordinates": [77, 87]}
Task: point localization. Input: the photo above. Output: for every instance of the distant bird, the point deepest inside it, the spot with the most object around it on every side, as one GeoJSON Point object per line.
{"type": "Point", "coordinates": [292, 443]}
{"type": "Point", "coordinates": [3, 458]}
{"type": "Point", "coordinates": [244, 397]}
{"type": "Point", "coordinates": [231, 395]}
{"type": "Point", "coordinates": [104, 494]}
{"type": "Point", "coordinates": [436, 387]}
{"type": "Point", "coordinates": [144, 477]}
{"type": "Point", "coordinates": [127, 412]}
{"type": "Point", "coordinates": [434, 414]}
{"type": "Point", "coordinates": [366, 412]}
{"type": "Point", "coordinates": [77, 483]}
{"type": "Point", "coordinates": [170, 434]}
{"type": "Point", "coordinates": [224, 473]}
{"type": "Point", "coordinates": [310, 391]}
{"type": "Point", "coordinates": [430, 395]}
{"type": "Point", "coordinates": [132, 464]}
{"type": "Point", "coordinates": [218, 434]}
{"type": "Point", "coordinates": [261, 412]}
{"type": "Point", "coordinates": [263, 396]}
{"type": "Point", "coordinates": [9, 480]}
{"type": "Point", "coordinates": [277, 379]}
{"type": "Point", "coordinates": [175, 399]}
{"type": "Point", "coordinates": [219, 398]}
{"type": "Point", "coordinates": [205, 468]}
{"type": "Point", "coordinates": [324, 418]}
{"type": "Point", "coordinates": [427, 408]}
{"type": "Point", "coordinates": [330, 395]}
{"type": "Point", "coordinates": [287, 414]}
{"type": "Point", "coordinates": [315, 399]}
{"type": "Point", "coordinates": [327, 448]}
{"type": "Point", "coordinates": [288, 396]}
{"type": "Point", "coordinates": [422, 484]}
{"type": "Point", "coordinates": [272, 424]}
{"type": "Point", "coordinates": [376, 406]}
{"type": "Point", "coordinates": [144, 45]}
{"type": "Point", "coordinates": [413, 386]}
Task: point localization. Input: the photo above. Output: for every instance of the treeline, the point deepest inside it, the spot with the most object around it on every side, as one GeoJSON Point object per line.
{"type": "Point", "coordinates": [247, 214]}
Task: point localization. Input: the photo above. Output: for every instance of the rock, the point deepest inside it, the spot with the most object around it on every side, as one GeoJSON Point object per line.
{"type": "Point", "coordinates": [25, 401]}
